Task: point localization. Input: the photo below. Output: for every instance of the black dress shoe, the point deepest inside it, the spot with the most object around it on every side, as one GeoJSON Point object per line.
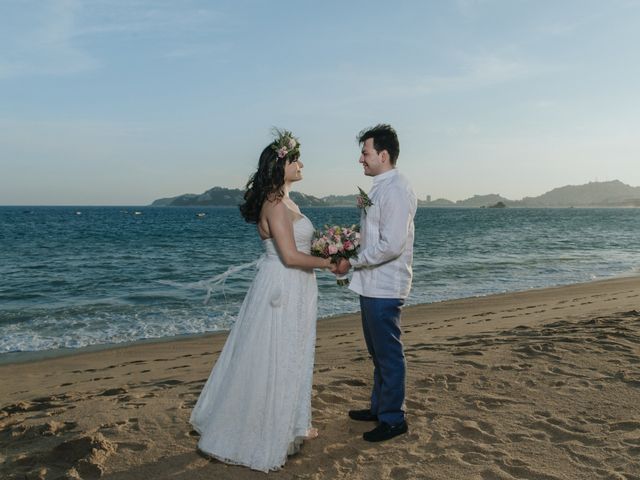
{"type": "Point", "coordinates": [363, 415]}
{"type": "Point", "coordinates": [384, 431]}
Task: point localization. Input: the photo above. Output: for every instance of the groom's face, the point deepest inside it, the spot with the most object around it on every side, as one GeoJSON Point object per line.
{"type": "Point", "coordinates": [370, 159]}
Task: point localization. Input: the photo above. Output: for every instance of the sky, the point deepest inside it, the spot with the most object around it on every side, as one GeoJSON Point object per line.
{"type": "Point", "coordinates": [121, 102]}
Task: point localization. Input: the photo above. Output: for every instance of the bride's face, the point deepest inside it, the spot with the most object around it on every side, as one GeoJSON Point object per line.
{"type": "Point", "coordinates": [293, 171]}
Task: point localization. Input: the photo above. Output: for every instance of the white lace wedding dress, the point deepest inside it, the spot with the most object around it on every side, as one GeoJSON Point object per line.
{"type": "Point", "coordinates": [255, 408]}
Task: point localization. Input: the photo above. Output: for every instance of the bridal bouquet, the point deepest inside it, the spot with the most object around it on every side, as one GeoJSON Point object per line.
{"type": "Point", "coordinates": [336, 242]}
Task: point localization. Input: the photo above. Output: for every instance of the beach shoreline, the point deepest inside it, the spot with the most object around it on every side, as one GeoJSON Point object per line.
{"type": "Point", "coordinates": [542, 383]}
{"type": "Point", "coordinates": [11, 358]}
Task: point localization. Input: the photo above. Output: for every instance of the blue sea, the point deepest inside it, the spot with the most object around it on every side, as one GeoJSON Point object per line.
{"type": "Point", "coordinates": [78, 276]}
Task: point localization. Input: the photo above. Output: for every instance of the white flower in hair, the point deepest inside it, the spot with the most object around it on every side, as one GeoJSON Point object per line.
{"type": "Point", "coordinates": [286, 145]}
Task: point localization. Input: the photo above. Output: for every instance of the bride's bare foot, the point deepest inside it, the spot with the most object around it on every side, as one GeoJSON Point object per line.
{"type": "Point", "coordinates": [312, 433]}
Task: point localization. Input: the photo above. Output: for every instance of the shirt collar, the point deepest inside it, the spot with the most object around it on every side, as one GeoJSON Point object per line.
{"type": "Point", "coordinates": [384, 176]}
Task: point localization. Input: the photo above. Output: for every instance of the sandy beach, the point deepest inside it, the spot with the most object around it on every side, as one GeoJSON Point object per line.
{"type": "Point", "coordinates": [543, 384]}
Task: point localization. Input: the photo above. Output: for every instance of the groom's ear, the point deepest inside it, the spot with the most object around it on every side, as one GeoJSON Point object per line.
{"type": "Point", "coordinates": [384, 156]}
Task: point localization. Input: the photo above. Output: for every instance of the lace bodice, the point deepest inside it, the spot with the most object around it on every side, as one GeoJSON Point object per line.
{"type": "Point", "coordinates": [302, 233]}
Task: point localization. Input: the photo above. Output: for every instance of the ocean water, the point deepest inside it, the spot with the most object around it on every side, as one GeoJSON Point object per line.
{"type": "Point", "coordinates": [78, 276]}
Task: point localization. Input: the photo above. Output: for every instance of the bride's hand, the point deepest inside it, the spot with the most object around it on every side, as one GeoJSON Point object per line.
{"type": "Point", "coordinates": [343, 266]}
{"type": "Point", "coordinates": [333, 268]}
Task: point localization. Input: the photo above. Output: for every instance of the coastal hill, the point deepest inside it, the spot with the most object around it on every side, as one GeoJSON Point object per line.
{"type": "Point", "coordinates": [593, 194]}
{"type": "Point", "coordinates": [232, 197]}
{"type": "Point", "coordinates": [614, 193]}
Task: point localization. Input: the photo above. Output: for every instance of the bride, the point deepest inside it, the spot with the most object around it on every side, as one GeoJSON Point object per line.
{"type": "Point", "coordinates": [255, 408]}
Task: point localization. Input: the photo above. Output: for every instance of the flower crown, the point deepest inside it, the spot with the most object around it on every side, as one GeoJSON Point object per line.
{"type": "Point", "coordinates": [285, 144]}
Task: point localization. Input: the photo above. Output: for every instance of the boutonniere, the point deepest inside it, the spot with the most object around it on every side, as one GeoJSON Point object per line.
{"type": "Point", "coordinates": [363, 201]}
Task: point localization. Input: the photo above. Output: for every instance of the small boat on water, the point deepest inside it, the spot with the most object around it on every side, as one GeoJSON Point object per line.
{"type": "Point", "coordinates": [78, 213]}
{"type": "Point", "coordinates": [137, 213]}
{"type": "Point", "coordinates": [201, 214]}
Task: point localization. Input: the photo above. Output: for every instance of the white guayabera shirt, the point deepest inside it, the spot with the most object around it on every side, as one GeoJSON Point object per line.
{"type": "Point", "coordinates": [383, 264]}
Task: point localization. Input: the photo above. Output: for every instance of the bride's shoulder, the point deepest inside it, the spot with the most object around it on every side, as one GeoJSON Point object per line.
{"type": "Point", "coordinates": [273, 206]}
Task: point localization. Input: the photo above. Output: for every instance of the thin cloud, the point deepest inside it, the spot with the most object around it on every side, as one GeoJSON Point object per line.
{"type": "Point", "coordinates": [51, 42]}
{"type": "Point", "coordinates": [570, 26]}
{"type": "Point", "coordinates": [582, 21]}
{"type": "Point", "coordinates": [469, 8]}
{"type": "Point", "coordinates": [484, 70]}
{"type": "Point", "coordinates": [473, 72]}
{"type": "Point", "coordinates": [166, 18]}
{"type": "Point", "coordinates": [42, 44]}
{"type": "Point", "coordinates": [197, 50]}
{"type": "Point", "coordinates": [543, 104]}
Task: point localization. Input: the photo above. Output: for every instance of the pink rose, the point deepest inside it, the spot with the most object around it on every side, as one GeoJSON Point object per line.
{"type": "Point", "coordinates": [333, 249]}
{"type": "Point", "coordinates": [348, 245]}
{"type": "Point", "coordinates": [282, 152]}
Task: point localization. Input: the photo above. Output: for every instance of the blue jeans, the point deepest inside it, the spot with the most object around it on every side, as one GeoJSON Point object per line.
{"type": "Point", "coordinates": [381, 327]}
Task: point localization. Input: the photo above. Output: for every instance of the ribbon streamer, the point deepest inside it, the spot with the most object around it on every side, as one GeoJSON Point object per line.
{"type": "Point", "coordinates": [210, 284]}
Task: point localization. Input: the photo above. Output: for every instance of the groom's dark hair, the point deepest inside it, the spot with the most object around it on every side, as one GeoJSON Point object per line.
{"type": "Point", "coordinates": [384, 138]}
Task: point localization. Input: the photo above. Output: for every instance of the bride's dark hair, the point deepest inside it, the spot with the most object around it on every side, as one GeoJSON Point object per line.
{"type": "Point", "coordinates": [268, 180]}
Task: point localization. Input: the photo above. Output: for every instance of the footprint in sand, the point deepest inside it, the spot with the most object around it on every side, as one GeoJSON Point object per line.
{"type": "Point", "coordinates": [520, 470]}
{"type": "Point", "coordinates": [18, 431]}
{"type": "Point", "coordinates": [471, 363]}
{"type": "Point", "coordinates": [329, 369]}
{"type": "Point", "coordinates": [133, 446]}
{"type": "Point", "coordinates": [179, 367]}
{"type": "Point", "coordinates": [416, 406]}
{"type": "Point", "coordinates": [131, 401]}
{"type": "Point", "coordinates": [349, 382]}
{"type": "Point", "coordinates": [401, 473]}
{"type": "Point", "coordinates": [187, 405]}
{"type": "Point", "coordinates": [82, 457]}
{"type": "Point", "coordinates": [130, 424]}
{"type": "Point", "coordinates": [57, 403]}
{"type": "Point", "coordinates": [111, 392]}
{"type": "Point", "coordinates": [534, 350]}
{"type": "Point", "coordinates": [625, 426]}
{"type": "Point", "coordinates": [490, 402]}
{"type": "Point", "coordinates": [558, 431]}
{"type": "Point", "coordinates": [471, 430]}
{"type": "Point", "coordinates": [168, 383]}
{"type": "Point", "coordinates": [358, 359]}
{"type": "Point", "coordinates": [445, 382]}
{"type": "Point", "coordinates": [484, 314]}
{"type": "Point", "coordinates": [331, 398]}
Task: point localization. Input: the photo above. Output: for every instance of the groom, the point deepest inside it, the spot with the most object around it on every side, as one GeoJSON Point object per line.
{"type": "Point", "coordinates": [382, 277]}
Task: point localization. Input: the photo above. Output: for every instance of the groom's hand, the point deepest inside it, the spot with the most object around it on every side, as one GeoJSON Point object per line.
{"type": "Point", "coordinates": [343, 266]}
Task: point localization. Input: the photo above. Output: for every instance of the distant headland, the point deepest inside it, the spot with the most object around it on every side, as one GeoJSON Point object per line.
{"type": "Point", "coordinates": [593, 194]}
